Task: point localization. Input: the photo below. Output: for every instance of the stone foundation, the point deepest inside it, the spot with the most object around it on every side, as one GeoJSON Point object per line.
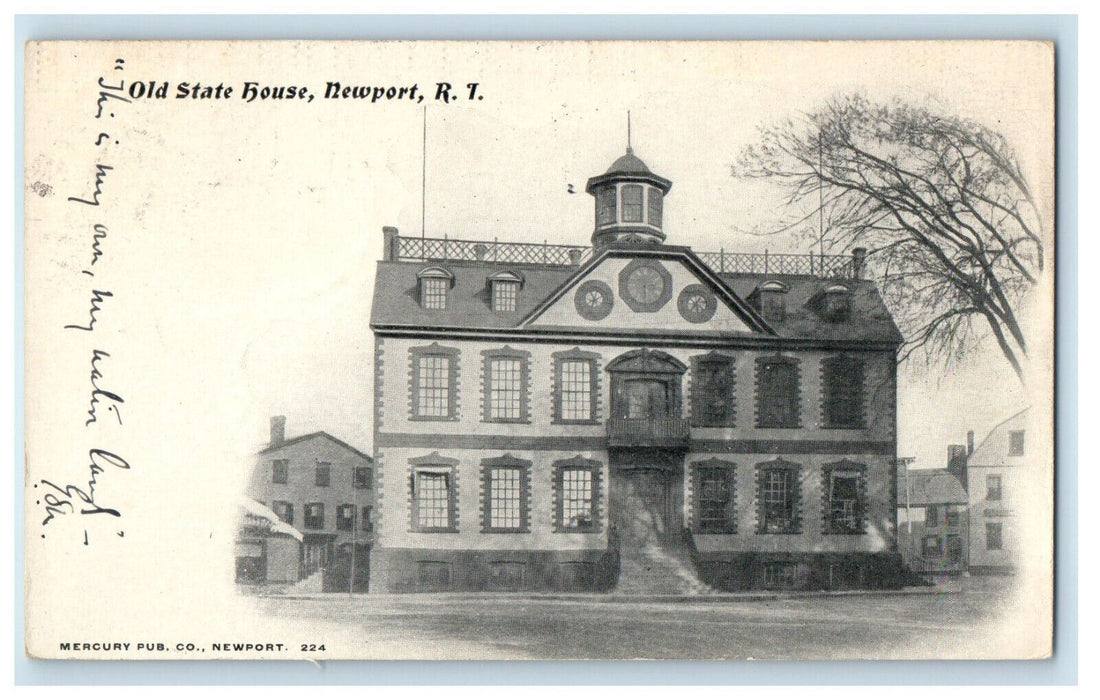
{"type": "Point", "coordinates": [433, 570]}
{"type": "Point", "coordinates": [743, 571]}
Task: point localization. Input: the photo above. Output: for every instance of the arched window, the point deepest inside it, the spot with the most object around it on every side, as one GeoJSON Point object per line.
{"type": "Point", "coordinates": [434, 283]}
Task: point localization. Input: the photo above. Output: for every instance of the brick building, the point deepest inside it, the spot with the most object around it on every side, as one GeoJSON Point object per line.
{"type": "Point", "coordinates": [323, 487]}
{"type": "Point", "coordinates": [631, 414]}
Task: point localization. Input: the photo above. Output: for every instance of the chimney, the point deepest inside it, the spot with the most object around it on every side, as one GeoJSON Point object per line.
{"type": "Point", "coordinates": [278, 430]}
{"type": "Point", "coordinates": [969, 442]}
{"type": "Point", "coordinates": [956, 462]}
{"type": "Point", "coordinates": [389, 243]}
{"type": "Point", "coordinates": [859, 261]}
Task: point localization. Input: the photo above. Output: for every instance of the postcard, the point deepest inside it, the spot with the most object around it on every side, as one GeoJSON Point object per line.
{"type": "Point", "coordinates": [539, 350]}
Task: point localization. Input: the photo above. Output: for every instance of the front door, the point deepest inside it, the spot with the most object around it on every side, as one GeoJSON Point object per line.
{"type": "Point", "coordinates": [644, 505]}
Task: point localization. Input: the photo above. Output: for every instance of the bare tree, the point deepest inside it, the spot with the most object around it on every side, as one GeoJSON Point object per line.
{"type": "Point", "coordinates": [954, 235]}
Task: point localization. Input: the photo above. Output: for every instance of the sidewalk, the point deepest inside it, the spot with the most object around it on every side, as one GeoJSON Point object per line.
{"type": "Point", "coordinates": [950, 588]}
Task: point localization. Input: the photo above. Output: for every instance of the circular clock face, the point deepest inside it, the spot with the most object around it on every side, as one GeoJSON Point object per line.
{"type": "Point", "coordinates": [593, 300]}
{"type": "Point", "coordinates": [645, 284]}
{"type": "Point", "coordinates": [697, 303]}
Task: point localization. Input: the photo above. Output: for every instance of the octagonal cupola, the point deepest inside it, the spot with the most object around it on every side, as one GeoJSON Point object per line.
{"type": "Point", "coordinates": [629, 203]}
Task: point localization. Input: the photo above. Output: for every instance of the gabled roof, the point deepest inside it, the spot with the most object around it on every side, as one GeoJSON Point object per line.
{"type": "Point", "coordinates": [993, 449]}
{"type": "Point", "coordinates": [921, 487]}
{"type": "Point", "coordinates": [320, 434]}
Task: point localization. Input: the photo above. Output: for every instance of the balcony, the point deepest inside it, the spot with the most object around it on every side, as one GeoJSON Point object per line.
{"type": "Point", "coordinates": [648, 432]}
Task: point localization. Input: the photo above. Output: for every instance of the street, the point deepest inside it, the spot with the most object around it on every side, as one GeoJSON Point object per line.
{"type": "Point", "coordinates": [946, 622]}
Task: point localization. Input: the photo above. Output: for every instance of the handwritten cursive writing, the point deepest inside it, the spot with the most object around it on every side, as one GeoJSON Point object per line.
{"type": "Point", "coordinates": [61, 500]}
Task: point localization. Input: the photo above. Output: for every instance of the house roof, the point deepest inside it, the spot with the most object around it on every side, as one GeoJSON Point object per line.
{"type": "Point", "coordinates": [993, 449]}
{"type": "Point", "coordinates": [397, 304]}
{"type": "Point", "coordinates": [919, 487]}
{"type": "Point", "coordinates": [320, 434]}
{"type": "Point", "coordinates": [257, 514]}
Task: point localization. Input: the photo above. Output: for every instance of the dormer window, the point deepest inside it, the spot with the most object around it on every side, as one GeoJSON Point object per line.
{"type": "Point", "coordinates": [837, 302]}
{"type": "Point", "coordinates": [771, 300]}
{"type": "Point", "coordinates": [504, 290]}
{"type": "Point", "coordinates": [434, 283]}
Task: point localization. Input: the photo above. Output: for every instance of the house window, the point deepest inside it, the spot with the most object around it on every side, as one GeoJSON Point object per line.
{"type": "Point", "coordinates": [953, 547]}
{"type": "Point", "coordinates": [712, 391]}
{"type": "Point", "coordinates": [632, 203]}
{"type": "Point", "coordinates": [714, 497]}
{"type": "Point", "coordinates": [362, 477]}
{"type": "Point", "coordinates": [576, 491]}
{"type": "Point", "coordinates": [505, 498]}
{"type": "Point", "coordinates": [777, 393]}
{"type": "Point", "coordinates": [992, 487]}
{"type": "Point", "coordinates": [779, 574]}
{"type": "Point", "coordinates": [951, 515]}
{"type": "Point", "coordinates": [324, 472]}
{"type": "Point", "coordinates": [284, 510]}
{"type": "Point", "coordinates": [930, 546]}
{"type": "Point", "coordinates": [505, 293]}
{"type": "Point", "coordinates": [315, 516]}
{"type": "Point", "coordinates": [279, 471]}
{"type": "Point", "coordinates": [345, 517]}
{"type": "Point", "coordinates": [1015, 443]}
{"type": "Point", "coordinates": [434, 383]}
{"type": "Point", "coordinates": [367, 523]}
{"type": "Point", "coordinates": [932, 516]}
{"type": "Point", "coordinates": [770, 299]}
{"type": "Point", "coordinates": [655, 200]}
{"type": "Point", "coordinates": [433, 496]}
{"type": "Point", "coordinates": [575, 387]}
{"type": "Point", "coordinates": [842, 378]}
{"type": "Point", "coordinates": [505, 373]}
{"type": "Point", "coordinates": [844, 493]}
{"type": "Point", "coordinates": [993, 536]}
{"type": "Point", "coordinates": [778, 498]}
{"type": "Point", "coordinates": [605, 205]}
{"type": "Point", "coordinates": [434, 283]}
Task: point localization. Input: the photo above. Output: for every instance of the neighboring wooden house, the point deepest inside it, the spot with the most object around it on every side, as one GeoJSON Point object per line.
{"type": "Point", "coordinates": [564, 417]}
{"type": "Point", "coordinates": [267, 549]}
{"type": "Point", "coordinates": [933, 520]}
{"type": "Point", "coordinates": [997, 474]}
{"type": "Point", "coordinates": [323, 487]}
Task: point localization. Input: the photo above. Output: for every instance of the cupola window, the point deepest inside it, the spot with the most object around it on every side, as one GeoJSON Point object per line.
{"type": "Point", "coordinates": [632, 203]}
{"type": "Point", "coordinates": [434, 283]}
{"type": "Point", "coordinates": [605, 205]}
{"type": "Point", "coordinates": [655, 202]}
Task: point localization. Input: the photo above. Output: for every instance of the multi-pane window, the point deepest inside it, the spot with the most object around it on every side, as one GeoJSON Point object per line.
{"type": "Point", "coordinates": [778, 500]}
{"type": "Point", "coordinates": [575, 387]}
{"type": "Point", "coordinates": [632, 203]}
{"type": "Point", "coordinates": [323, 475]}
{"type": "Point", "coordinates": [284, 510]}
{"type": "Point", "coordinates": [993, 536]}
{"type": "Point", "coordinates": [434, 389]}
{"type": "Point", "coordinates": [506, 388]}
{"type": "Point", "coordinates": [1015, 443]}
{"type": "Point", "coordinates": [932, 516]}
{"type": "Point", "coordinates": [605, 205]}
{"type": "Point", "coordinates": [315, 516]}
{"type": "Point", "coordinates": [951, 515]}
{"type": "Point", "coordinates": [843, 392]}
{"type": "Point", "coordinates": [655, 197]}
{"type": "Point", "coordinates": [367, 523]}
{"type": "Point", "coordinates": [577, 498]}
{"type": "Point", "coordinates": [712, 392]}
{"type": "Point", "coordinates": [361, 477]}
{"type": "Point", "coordinates": [777, 394]}
{"type": "Point", "coordinates": [505, 498]}
{"type": "Point", "coordinates": [953, 547]}
{"type": "Point", "coordinates": [845, 512]}
{"type": "Point", "coordinates": [779, 574]}
{"type": "Point", "coordinates": [432, 498]}
{"type": "Point", "coordinates": [433, 292]}
{"type": "Point", "coordinates": [279, 471]}
{"type": "Point", "coordinates": [715, 499]}
{"type": "Point", "coordinates": [345, 517]}
{"type": "Point", "coordinates": [993, 487]}
{"type": "Point", "coordinates": [930, 546]}
{"type": "Point", "coordinates": [505, 293]}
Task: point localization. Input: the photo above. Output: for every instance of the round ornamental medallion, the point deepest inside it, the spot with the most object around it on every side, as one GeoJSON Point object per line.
{"type": "Point", "coordinates": [697, 303]}
{"type": "Point", "coordinates": [594, 300]}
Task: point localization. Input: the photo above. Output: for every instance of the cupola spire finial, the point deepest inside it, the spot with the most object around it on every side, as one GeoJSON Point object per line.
{"type": "Point", "coordinates": [628, 148]}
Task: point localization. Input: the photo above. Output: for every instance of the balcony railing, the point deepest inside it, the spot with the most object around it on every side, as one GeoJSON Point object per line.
{"type": "Point", "coordinates": [648, 432]}
{"type": "Point", "coordinates": [556, 255]}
